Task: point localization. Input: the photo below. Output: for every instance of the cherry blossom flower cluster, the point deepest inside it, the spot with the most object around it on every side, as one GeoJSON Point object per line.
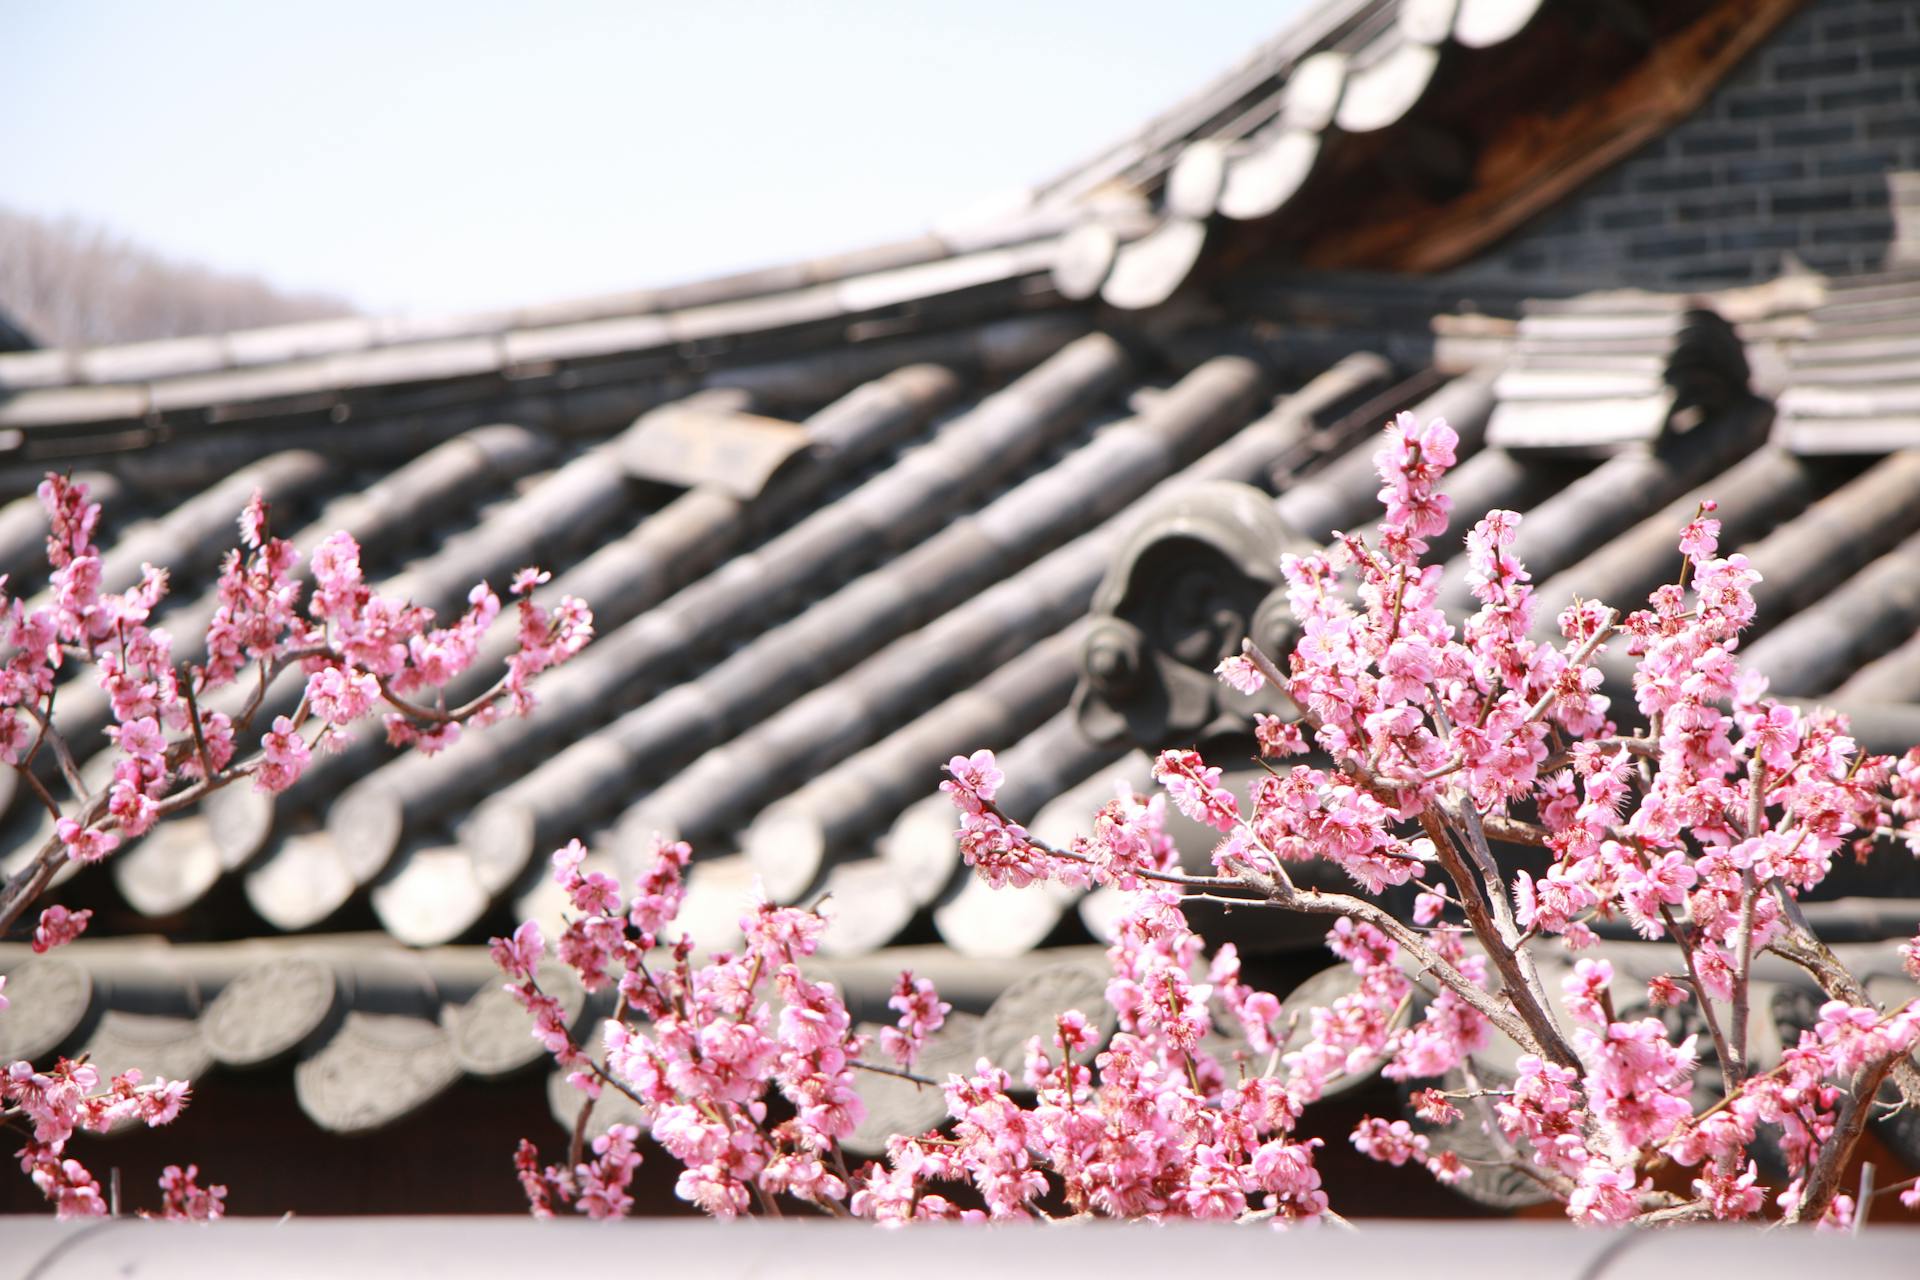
{"type": "Point", "coordinates": [922, 1012]}
{"type": "Point", "coordinates": [746, 1071]}
{"type": "Point", "coordinates": [55, 1104]}
{"type": "Point", "coordinates": [182, 728]}
{"type": "Point", "coordinates": [1423, 749]}
{"type": "Point", "coordinates": [742, 1065]}
{"type": "Point", "coordinates": [183, 1199]}
{"type": "Point", "coordinates": [1438, 742]}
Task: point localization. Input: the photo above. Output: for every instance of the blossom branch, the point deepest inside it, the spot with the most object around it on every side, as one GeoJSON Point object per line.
{"type": "Point", "coordinates": [1531, 1026]}
{"type": "Point", "coordinates": [1723, 1051]}
{"type": "Point", "coordinates": [895, 1072]}
{"type": "Point", "coordinates": [69, 769]}
{"type": "Point", "coordinates": [1823, 1181]}
{"type": "Point", "coordinates": [1743, 965]}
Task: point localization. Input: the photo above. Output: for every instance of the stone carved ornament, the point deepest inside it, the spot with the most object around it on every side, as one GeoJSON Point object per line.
{"type": "Point", "coordinates": [1200, 573]}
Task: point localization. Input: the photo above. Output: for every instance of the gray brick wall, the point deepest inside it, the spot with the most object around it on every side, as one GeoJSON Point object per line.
{"type": "Point", "coordinates": [1793, 154]}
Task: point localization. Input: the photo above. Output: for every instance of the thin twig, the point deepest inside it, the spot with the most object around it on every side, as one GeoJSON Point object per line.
{"type": "Point", "coordinates": [1514, 831]}
{"type": "Point", "coordinates": [1642, 748]}
{"type": "Point", "coordinates": [1720, 1046]}
{"type": "Point", "coordinates": [895, 1072]}
{"type": "Point", "coordinates": [440, 715]}
{"type": "Point", "coordinates": [1743, 962]}
{"type": "Point", "coordinates": [577, 1147]}
{"type": "Point", "coordinates": [32, 880]}
{"type": "Point", "coordinates": [1893, 1187]}
{"type": "Point", "coordinates": [68, 768]}
{"type": "Point", "coordinates": [41, 736]}
{"type": "Point", "coordinates": [199, 732]}
{"type": "Point", "coordinates": [39, 789]}
{"type": "Point", "coordinates": [1263, 664]}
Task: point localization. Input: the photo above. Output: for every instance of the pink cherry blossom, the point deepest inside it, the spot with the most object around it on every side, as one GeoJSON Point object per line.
{"type": "Point", "coordinates": [922, 1012]}
{"type": "Point", "coordinates": [184, 1199]}
{"type": "Point", "coordinates": [285, 754]}
{"type": "Point", "coordinates": [1279, 737]}
{"type": "Point", "coordinates": [1701, 538]}
{"type": "Point", "coordinates": [1195, 789]}
{"type": "Point", "coordinates": [341, 695]}
{"type": "Point", "coordinates": [521, 954]}
{"type": "Point", "coordinates": [1435, 1107]}
{"type": "Point", "coordinates": [1390, 1143]}
{"type": "Point", "coordinates": [253, 521]}
{"type": "Point", "coordinates": [83, 843]}
{"type": "Point", "coordinates": [1239, 672]}
{"type": "Point", "coordinates": [974, 781]}
{"type": "Point", "coordinates": [59, 926]}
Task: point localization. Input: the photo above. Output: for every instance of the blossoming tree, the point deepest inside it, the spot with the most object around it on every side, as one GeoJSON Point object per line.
{"type": "Point", "coordinates": [1437, 743]}
{"type": "Point", "coordinates": [358, 652]}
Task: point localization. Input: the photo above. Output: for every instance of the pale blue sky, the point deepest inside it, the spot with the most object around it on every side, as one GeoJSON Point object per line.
{"type": "Point", "coordinates": [432, 156]}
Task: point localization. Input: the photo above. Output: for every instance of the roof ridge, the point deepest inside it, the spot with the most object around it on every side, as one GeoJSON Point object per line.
{"type": "Point", "coordinates": [158, 359]}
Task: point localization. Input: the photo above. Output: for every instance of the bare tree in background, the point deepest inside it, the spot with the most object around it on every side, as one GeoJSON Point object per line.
{"type": "Point", "coordinates": [67, 282]}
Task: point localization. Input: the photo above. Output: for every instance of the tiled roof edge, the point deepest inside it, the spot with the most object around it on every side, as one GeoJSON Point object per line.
{"type": "Point", "coordinates": [129, 380]}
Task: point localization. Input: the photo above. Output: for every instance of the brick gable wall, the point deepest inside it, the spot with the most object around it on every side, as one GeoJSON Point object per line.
{"type": "Point", "coordinates": [1797, 153]}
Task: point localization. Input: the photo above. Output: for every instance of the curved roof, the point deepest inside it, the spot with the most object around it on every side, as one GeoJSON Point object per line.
{"type": "Point", "coordinates": [843, 519]}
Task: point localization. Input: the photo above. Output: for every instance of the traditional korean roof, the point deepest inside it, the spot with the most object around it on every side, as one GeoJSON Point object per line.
{"type": "Point", "coordinates": [772, 595]}
{"type": "Point", "coordinates": [904, 572]}
{"type": "Point", "coordinates": [842, 519]}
